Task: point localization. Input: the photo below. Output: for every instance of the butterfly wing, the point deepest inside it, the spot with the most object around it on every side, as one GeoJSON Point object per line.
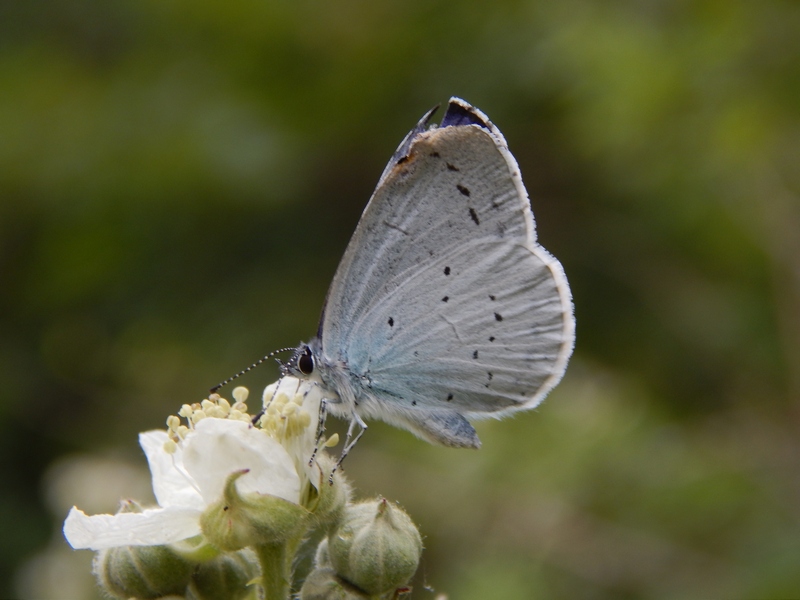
{"type": "Point", "coordinates": [444, 304]}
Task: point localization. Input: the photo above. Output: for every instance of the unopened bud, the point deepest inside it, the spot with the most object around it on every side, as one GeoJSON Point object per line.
{"type": "Point", "coordinates": [226, 576]}
{"type": "Point", "coordinates": [142, 571]}
{"type": "Point", "coordinates": [376, 547]}
{"type": "Point", "coordinates": [324, 584]}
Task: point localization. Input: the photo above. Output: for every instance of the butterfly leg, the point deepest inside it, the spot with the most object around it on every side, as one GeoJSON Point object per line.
{"type": "Point", "coordinates": [323, 413]}
{"type": "Point", "coordinates": [350, 441]}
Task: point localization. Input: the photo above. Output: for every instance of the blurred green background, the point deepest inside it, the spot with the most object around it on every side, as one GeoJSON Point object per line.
{"type": "Point", "coordinates": [179, 178]}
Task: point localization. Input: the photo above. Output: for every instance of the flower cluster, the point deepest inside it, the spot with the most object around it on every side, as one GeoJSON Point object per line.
{"type": "Point", "coordinates": [236, 501]}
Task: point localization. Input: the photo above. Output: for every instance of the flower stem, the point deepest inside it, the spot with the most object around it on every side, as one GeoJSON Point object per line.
{"type": "Point", "coordinates": [276, 565]}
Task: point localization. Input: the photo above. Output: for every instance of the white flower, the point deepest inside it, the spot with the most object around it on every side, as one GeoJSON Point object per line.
{"type": "Point", "coordinates": [190, 474]}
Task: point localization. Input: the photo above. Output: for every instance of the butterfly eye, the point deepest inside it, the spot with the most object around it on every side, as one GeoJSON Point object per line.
{"type": "Point", "coordinates": [305, 362]}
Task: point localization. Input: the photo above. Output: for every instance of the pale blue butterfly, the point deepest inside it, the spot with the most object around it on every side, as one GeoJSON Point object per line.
{"type": "Point", "coordinates": [444, 308]}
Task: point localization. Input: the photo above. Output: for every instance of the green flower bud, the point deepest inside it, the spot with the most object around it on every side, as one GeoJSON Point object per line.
{"type": "Point", "coordinates": [227, 576]}
{"type": "Point", "coordinates": [324, 584]}
{"type": "Point", "coordinates": [142, 572]}
{"type": "Point", "coordinates": [376, 548]}
{"type": "Point", "coordinates": [239, 521]}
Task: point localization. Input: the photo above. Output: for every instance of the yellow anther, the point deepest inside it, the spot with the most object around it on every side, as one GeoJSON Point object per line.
{"type": "Point", "coordinates": [173, 422]}
{"type": "Point", "coordinates": [241, 407]}
{"type": "Point", "coordinates": [214, 397]}
{"type": "Point", "coordinates": [332, 441]}
{"type": "Point", "coordinates": [170, 447]}
{"type": "Point", "coordinates": [183, 430]}
{"type": "Point", "coordinates": [224, 405]}
{"type": "Point", "coordinates": [216, 412]}
{"type": "Point", "coordinates": [240, 393]}
{"type": "Point", "coordinates": [303, 418]}
{"type": "Point", "coordinates": [207, 404]}
{"type": "Point", "coordinates": [198, 415]}
{"type": "Point", "coordinates": [289, 409]}
{"type": "Point", "coordinates": [186, 411]}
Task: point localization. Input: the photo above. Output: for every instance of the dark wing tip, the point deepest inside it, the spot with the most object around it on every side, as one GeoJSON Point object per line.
{"type": "Point", "coordinates": [460, 112]}
{"type": "Point", "coordinates": [423, 122]}
{"type": "Point", "coordinates": [405, 145]}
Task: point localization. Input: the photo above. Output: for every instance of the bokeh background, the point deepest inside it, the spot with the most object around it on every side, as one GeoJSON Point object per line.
{"type": "Point", "coordinates": [179, 178]}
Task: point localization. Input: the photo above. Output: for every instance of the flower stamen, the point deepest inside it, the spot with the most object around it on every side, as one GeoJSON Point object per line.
{"type": "Point", "coordinates": [215, 406]}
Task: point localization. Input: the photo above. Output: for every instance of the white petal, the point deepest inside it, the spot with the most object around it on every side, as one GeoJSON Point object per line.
{"type": "Point", "coordinates": [149, 528]}
{"type": "Point", "coordinates": [172, 485]}
{"type": "Point", "coordinates": [218, 447]}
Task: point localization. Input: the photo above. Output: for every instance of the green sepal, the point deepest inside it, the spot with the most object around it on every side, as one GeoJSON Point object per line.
{"type": "Point", "coordinates": [324, 500]}
{"type": "Point", "coordinates": [246, 520]}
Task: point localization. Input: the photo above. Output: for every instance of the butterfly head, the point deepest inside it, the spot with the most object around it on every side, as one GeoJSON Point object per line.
{"type": "Point", "coordinates": [303, 363]}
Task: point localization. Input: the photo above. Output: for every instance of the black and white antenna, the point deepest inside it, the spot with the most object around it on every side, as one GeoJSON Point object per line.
{"type": "Point", "coordinates": [250, 368]}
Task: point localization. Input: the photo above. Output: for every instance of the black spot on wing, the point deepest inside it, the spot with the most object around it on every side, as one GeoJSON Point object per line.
{"type": "Point", "coordinates": [446, 298]}
{"type": "Point", "coordinates": [464, 191]}
{"type": "Point", "coordinates": [498, 317]}
{"type": "Point", "coordinates": [447, 270]}
{"type": "Point", "coordinates": [492, 338]}
{"type": "Point", "coordinates": [434, 154]}
{"type": "Point", "coordinates": [474, 216]}
{"type": "Point", "coordinates": [452, 167]}
{"type": "Point", "coordinates": [413, 403]}
{"type": "Point", "coordinates": [492, 297]}
{"type": "Point", "coordinates": [475, 354]}
{"type": "Point", "coordinates": [391, 322]}
{"type": "Point", "coordinates": [449, 397]}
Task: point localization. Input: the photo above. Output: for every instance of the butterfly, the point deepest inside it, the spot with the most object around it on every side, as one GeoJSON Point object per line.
{"type": "Point", "coordinates": [444, 308]}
